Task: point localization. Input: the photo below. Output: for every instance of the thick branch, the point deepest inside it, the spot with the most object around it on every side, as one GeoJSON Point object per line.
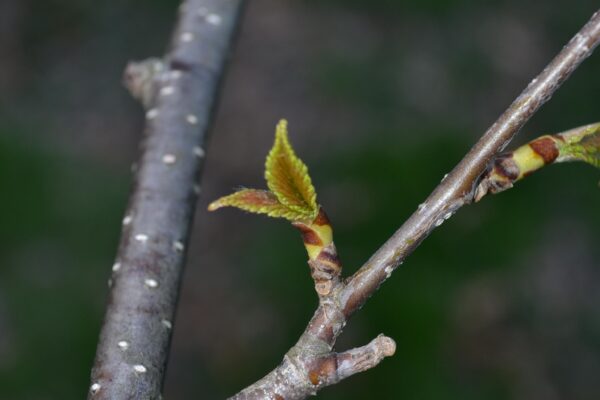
{"type": "Point", "coordinates": [295, 377]}
{"type": "Point", "coordinates": [179, 93]}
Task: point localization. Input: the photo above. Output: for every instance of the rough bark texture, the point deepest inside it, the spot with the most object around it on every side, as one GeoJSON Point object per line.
{"type": "Point", "coordinates": [179, 93]}
{"type": "Point", "coordinates": [311, 364]}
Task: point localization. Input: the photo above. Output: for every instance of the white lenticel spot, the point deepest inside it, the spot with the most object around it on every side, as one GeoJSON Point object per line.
{"type": "Point", "coordinates": [167, 323]}
{"type": "Point", "coordinates": [116, 266]}
{"type": "Point", "coordinates": [152, 113]}
{"type": "Point", "coordinates": [151, 283]}
{"type": "Point", "coordinates": [177, 245]}
{"type": "Point", "coordinates": [213, 19]}
{"type": "Point", "coordinates": [123, 344]}
{"type": "Point", "coordinates": [187, 37]}
{"type": "Point", "coordinates": [95, 387]}
{"type": "Point", "coordinates": [167, 91]}
{"type": "Point", "coordinates": [388, 271]}
{"type": "Point", "coordinates": [139, 368]}
{"type": "Point", "coordinates": [192, 119]}
{"type": "Point", "coordinates": [169, 159]}
{"type": "Point", "coordinates": [140, 237]}
{"type": "Point", "coordinates": [127, 220]}
{"type": "Point", "coordinates": [198, 151]}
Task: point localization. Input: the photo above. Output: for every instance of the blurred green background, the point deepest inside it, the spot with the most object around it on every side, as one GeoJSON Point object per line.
{"type": "Point", "coordinates": [383, 98]}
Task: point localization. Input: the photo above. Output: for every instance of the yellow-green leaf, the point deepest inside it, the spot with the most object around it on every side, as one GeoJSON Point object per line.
{"type": "Point", "coordinates": [582, 144]}
{"type": "Point", "coordinates": [258, 202]}
{"type": "Point", "coordinates": [287, 176]}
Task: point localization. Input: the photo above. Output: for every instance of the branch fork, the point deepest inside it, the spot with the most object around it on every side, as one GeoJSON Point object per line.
{"type": "Point", "coordinates": [178, 92]}
{"type": "Point", "coordinates": [311, 364]}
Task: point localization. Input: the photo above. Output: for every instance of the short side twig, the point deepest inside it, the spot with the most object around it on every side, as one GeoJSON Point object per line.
{"type": "Point", "coordinates": [334, 367]}
{"type": "Point", "coordinates": [311, 364]}
{"type": "Point", "coordinates": [325, 265]}
{"type": "Point", "coordinates": [578, 144]}
{"type": "Point", "coordinates": [179, 95]}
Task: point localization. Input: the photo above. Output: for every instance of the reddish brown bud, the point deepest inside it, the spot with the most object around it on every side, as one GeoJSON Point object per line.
{"type": "Point", "coordinates": [308, 235]}
{"type": "Point", "coordinates": [545, 148]}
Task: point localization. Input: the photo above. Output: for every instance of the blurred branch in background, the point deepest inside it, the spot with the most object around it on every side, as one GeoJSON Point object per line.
{"type": "Point", "coordinates": [179, 94]}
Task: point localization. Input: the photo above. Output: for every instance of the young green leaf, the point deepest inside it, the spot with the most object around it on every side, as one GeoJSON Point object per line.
{"type": "Point", "coordinates": [287, 176]}
{"type": "Point", "coordinates": [292, 195]}
{"type": "Point", "coordinates": [581, 144]}
{"type": "Point", "coordinates": [256, 201]}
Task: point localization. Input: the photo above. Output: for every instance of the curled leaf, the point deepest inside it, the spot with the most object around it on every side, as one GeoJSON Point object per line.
{"type": "Point", "coordinates": [287, 176]}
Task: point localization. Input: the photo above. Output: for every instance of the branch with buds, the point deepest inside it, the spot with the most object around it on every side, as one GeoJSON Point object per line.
{"type": "Point", "coordinates": [312, 363]}
{"type": "Point", "coordinates": [292, 196]}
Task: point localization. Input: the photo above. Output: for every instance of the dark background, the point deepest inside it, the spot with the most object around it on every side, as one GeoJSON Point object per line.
{"type": "Point", "coordinates": [383, 98]}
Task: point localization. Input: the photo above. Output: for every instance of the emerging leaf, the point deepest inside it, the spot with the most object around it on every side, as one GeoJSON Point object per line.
{"type": "Point", "coordinates": [258, 202]}
{"type": "Point", "coordinates": [287, 176]}
{"type": "Point", "coordinates": [292, 195]}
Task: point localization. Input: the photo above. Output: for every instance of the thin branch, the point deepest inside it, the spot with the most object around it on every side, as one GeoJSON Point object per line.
{"type": "Point", "coordinates": [457, 189]}
{"type": "Point", "coordinates": [310, 364]}
{"type": "Point", "coordinates": [179, 94]}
